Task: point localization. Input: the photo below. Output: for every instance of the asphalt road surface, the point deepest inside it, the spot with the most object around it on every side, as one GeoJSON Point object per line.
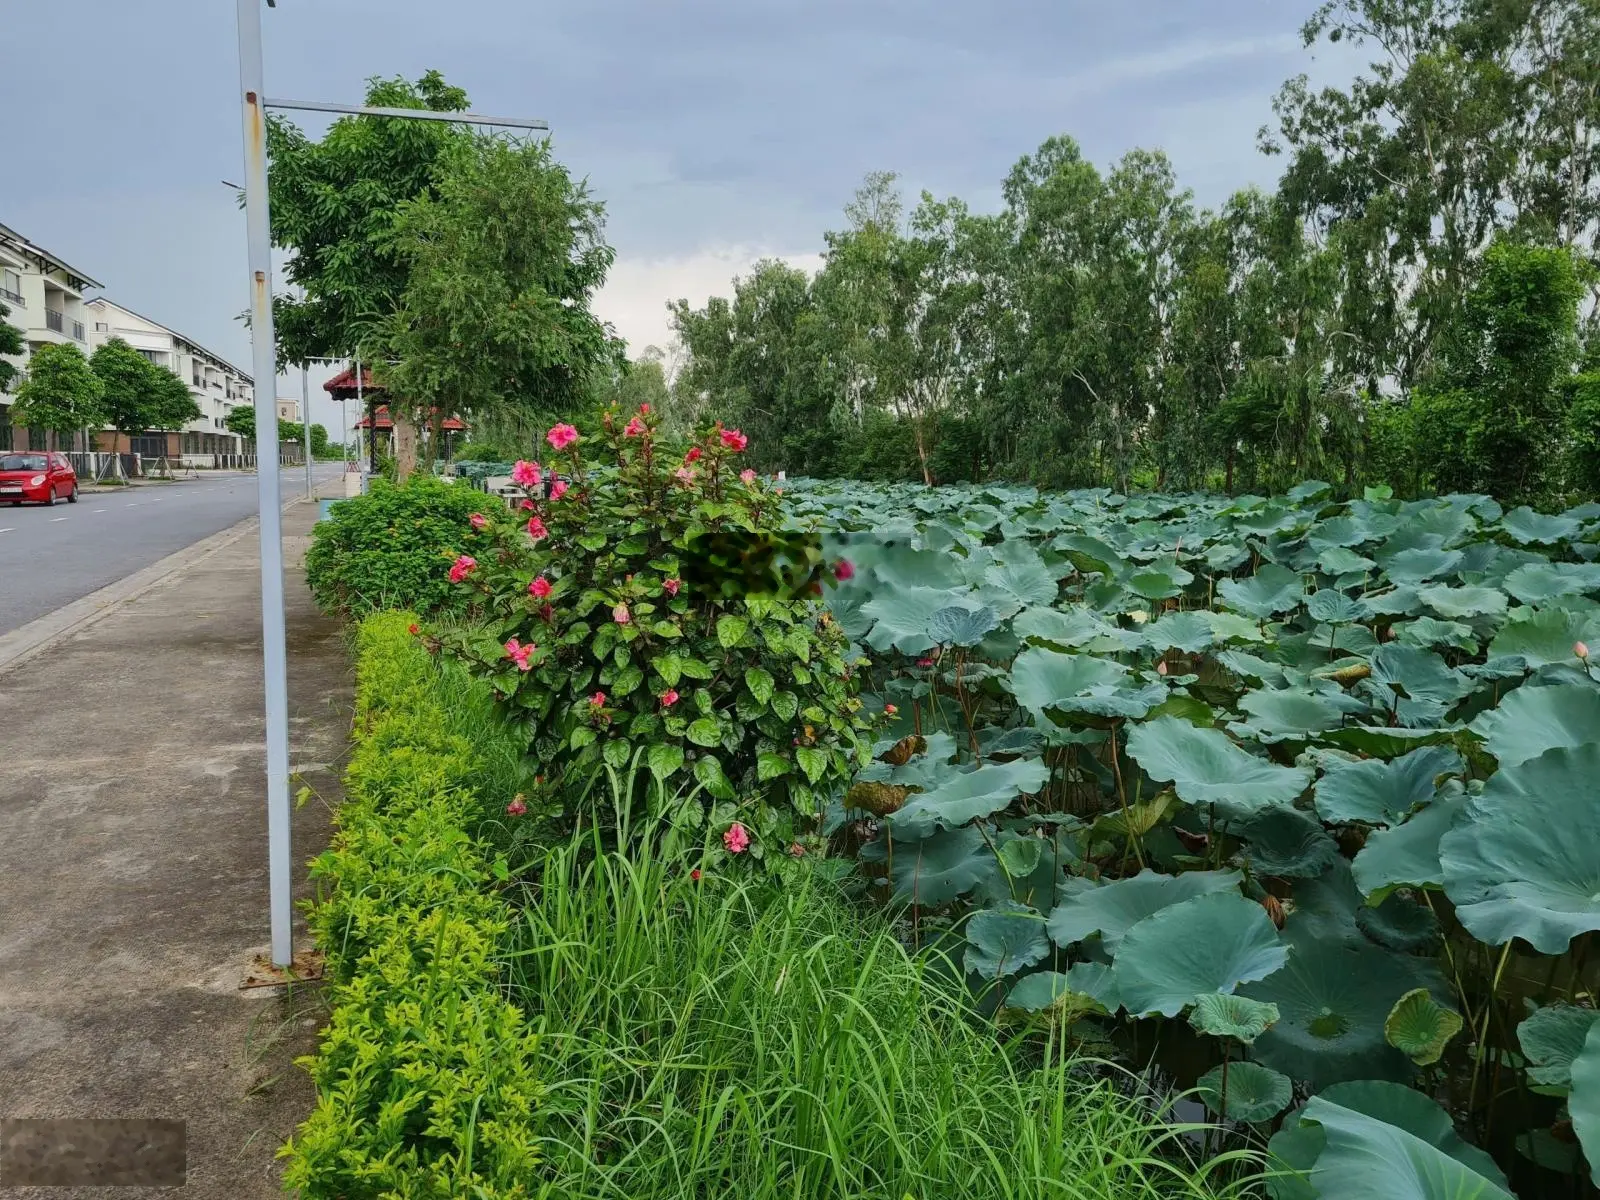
{"type": "Point", "coordinates": [52, 556]}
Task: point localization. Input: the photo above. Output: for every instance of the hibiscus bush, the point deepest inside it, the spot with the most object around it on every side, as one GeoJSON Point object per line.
{"type": "Point", "coordinates": [647, 612]}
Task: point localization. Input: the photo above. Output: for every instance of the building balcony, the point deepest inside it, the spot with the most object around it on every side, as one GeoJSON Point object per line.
{"type": "Point", "coordinates": [58, 321]}
{"type": "Point", "coordinates": [12, 298]}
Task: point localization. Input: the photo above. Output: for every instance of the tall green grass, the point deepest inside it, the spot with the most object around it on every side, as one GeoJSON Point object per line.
{"type": "Point", "coordinates": [711, 1038]}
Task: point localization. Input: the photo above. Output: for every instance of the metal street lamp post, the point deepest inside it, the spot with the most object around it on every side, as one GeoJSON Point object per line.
{"type": "Point", "coordinates": [265, 360]}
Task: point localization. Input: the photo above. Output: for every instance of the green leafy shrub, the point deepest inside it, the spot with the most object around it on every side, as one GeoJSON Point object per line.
{"type": "Point", "coordinates": [657, 610]}
{"type": "Point", "coordinates": [425, 1074]}
{"type": "Point", "coordinates": [389, 549]}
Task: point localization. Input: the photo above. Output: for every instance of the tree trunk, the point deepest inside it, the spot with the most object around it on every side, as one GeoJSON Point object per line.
{"type": "Point", "coordinates": [922, 453]}
{"type": "Point", "coordinates": [1228, 485]}
{"type": "Point", "coordinates": [405, 442]}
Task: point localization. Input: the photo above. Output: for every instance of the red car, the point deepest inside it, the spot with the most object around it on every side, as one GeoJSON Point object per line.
{"type": "Point", "coordinates": [36, 475]}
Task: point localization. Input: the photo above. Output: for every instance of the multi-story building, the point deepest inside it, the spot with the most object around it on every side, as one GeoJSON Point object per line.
{"type": "Point", "coordinates": [45, 296]}
{"type": "Point", "coordinates": [216, 385]}
{"type": "Point", "coordinates": [288, 409]}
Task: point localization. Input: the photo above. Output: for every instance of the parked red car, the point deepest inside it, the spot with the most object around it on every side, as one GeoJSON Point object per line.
{"type": "Point", "coordinates": [38, 476]}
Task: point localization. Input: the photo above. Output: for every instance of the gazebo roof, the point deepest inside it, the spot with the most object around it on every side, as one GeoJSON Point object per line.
{"type": "Point", "coordinates": [345, 381]}
{"type": "Point", "coordinates": [383, 421]}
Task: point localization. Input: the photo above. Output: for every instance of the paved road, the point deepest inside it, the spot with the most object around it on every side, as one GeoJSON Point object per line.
{"type": "Point", "coordinates": [53, 556]}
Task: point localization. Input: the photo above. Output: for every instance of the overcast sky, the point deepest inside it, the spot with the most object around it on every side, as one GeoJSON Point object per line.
{"type": "Point", "coordinates": [716, 131]}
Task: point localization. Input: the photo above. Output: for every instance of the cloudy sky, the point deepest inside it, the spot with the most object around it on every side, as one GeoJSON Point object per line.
{"type": "Point", "coordinates": [716, 131]}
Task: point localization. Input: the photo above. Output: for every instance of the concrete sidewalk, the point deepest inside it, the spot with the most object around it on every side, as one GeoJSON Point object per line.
{"type": "Point", "coordinates": [133, 868]}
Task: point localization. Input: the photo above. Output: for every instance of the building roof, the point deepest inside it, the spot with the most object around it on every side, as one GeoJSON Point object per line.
{"type": "Point", "coordinates": [345, 381]}
{"type": "Point", "coordinates": [183, 337]}
{"type": "Point", "coordinates": [11, 235]}
{"type": "Point", "coordinates": [383, 421]}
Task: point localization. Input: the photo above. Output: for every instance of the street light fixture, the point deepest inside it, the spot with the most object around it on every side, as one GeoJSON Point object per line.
{"type": "Point", "coordinates": [264, 348]}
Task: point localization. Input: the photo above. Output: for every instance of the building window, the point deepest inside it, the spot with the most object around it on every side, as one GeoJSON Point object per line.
{"type": "Point", "coordinates": [11, 287]}
{"type": "Point", "coordinates": [101, 327]}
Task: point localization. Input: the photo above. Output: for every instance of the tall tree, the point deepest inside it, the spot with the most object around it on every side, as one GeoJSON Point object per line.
{"type": "Point", "coordinates": [138, 395]}
{"type": "Point", "coordinates": [504, 254]}
{"type": "Point", "coordinates": [60, 393]}
{"type": "Point", "coordinates": [11, 343]}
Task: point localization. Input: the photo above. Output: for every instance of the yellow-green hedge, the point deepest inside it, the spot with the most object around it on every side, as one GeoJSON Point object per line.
{"type": "Point", "coordinates": [426, 1073]}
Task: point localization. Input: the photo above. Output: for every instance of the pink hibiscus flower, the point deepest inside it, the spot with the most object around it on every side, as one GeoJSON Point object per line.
{"type": "Point", "coordinates": [558, 489]}
{"type": "Point", "coordinates": [536, 529]}
{"type": "Point", "coordinates": [734, 440]}
{"type": "Point", "coordinates": [526, 474]}
{"type": "Point", "coordinates": [621, 615]}
{"type": "Point", "coordinates": [539, 588]}
{"type": "Point", "coordinates": [462, 567]}
{"type": "Point", "coordinates": [692, 456]}
{"type": "Point", "coordinates": [561, 436]}
{"type": "Point", "coordinates": [737, 839]}
{"type": "Point", "coordinates": [670, 586]}
{"type": "Point", "coordinates": [669, 698]}
{"type": "Point", "coordinates": [633, 428]}
{"type": "Point", "coordinates": [685, 474]}
{"type": "Point", "coordinates": [519, 653]}
{"type": "Point", "coordinates": [477, 520]}
{"type": "Point", "coordinates": [747, 477]}
{"type": "Point", "coordinates": [516, 808]}
{"type": "Point", "coordinates": [598, 700]}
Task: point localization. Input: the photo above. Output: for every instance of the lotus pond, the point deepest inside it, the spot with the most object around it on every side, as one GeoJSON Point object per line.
{"type": "Point", "coordinates": [1299, 796]}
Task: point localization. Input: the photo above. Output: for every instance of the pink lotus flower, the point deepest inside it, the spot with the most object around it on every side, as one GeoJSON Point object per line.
{"type": "Point", "coordinates": [516, 808]}
{"type": "Point", "coordinates": [796, 850]}
{"type": "Point", "coordinates": [477, 520]}
{"type": "Point", "coordinates": [844, 570]}
{"type": "Point", "coordinates": [561, 436]}
{"type": "Point", "coordinates": [924, 662]}
{"type": "Point", "coordinates": [558, 489]}
{"type": "Point", "coordinates": [621, 615]}
{"type": "Point", "coordinates": [633, 428]}
{"type": "Point", "coordinates": [685, 474]}
{"type": "Point", "coordinates": [670, 586]}
{"type": "Point", "coordinates": [462, 567]}
{"type": "Point", "coordinates": [1581, 650]}
{"type": "Point", "coordinates": [526, 474]}
{"type": "Point", "coordinates": [737, 839]}
{"type": "Point", "coordinates": [536, 529]}
{"type": "Point", "coordinates": [668, 698]}
{"type": "Point", "coordinates": [692, 456]}
{"type": "Point", "coordinates": [519, 653]}
{"type": "Point", "coordinates": [598, 700]}
{"type": "Point", "coordinates": [539, 588]}
{"type": "Point", "coordinates": [734, 440]}
{"type": "Point", "coordinates": [747, 477]}
{"type": "Point", "coordinates": [1161, 668]}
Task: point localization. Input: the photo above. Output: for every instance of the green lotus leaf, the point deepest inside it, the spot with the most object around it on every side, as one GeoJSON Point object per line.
{"type": "Point", "coordinates": [1584, 1101]}
{"type": "Point", "coordinates": [940, 868]}
{"type": "Point", "coordinates": [1427, 632]}
{"type": "Point", "coordinates": [1249, 666]}
{"type": "Point", "coordinates": [1111, 909]}
{"type": "Point", "coordinates": [964, 797]}
{"type": "Point", "coordinates": [1293, 714]}
{"type": "Point", "coordinates": [1400, 923]}
{"type": "Point", "coordinates": [1020, 580]}
{"type": "Point", "coordinates": [1525, 859]}
{"type": "Point", "coordinates": [954, 625]}
{"type": "Point", "coordinates": [1333, 998]}
{"type": "Point", "coordinates": [1231, 627]}
{"type": "Point", "coordinates": [1541, 582]}
{"type": "Point", "coordinates": [1076, 628]}
{"type": "Point", "coordinates": [1042, 678]}
{"type": "Point", "coordinates": [1529, 528]}
{"type": "Point", "coordinates": [1004, 940]}
{"type": "Point", "coordinates": [1419, 566]}
{"type": "Point", "coordinates": [1401, 601]}
{"type": "Point", "coordinates": [1547, 635]}
{"type": "Point", "coordinates": [1189, 631]}
{"type": "Point", "coordinates": [1420, 1027]}
{"type": "Point", "coordinates": [1343, 563]}
{"type": "Point", "coordinates": [1531, 720]}
{"type": "Point", "coordinates": [1552, 1038]}
{"type": "Point", "coordinates": [1207, 768]}
{"type": "Point", "coordinates": [1270, 591]}
{"type": "Point", "coordinates": [1373, 792]}
{"type": "Point", "coordinates": [1310, 489]}
{"type": "Point", "coordinates": [1286, 843]}
{"type": "Point", "coordinates": [1463, 601]}
{"type": "Point", "coordinates": [1089, 554]}
{"type": "Point", "coordinates": [1296, 1146]}
{"type": "Point", "coordinates": [902, 568]}
{"type": "Point", "coordinates": [1087, 986]}
{"type": "Point", "coordinates": [1236, 1017]}
{"type": "Point", "coordinates": [1158, 581]}
{"type": "Point", "coordinates": [1417, 684]}
{"type": "Point", "coordinates": [1385, 741]}
{"type": "Point", "coordinates": [1325, 908]}
{"type": "Point", "coordinates": [1245, 1091]}
{"type": "Point", "coordinates": [1408, 854]}
{"type": "Point", "coordinates": [1335, 608]}
{"type": "Point", "coordinates": [1364, 1158]}
{"type": "Point", "coordinates": [901, 617]}
{"type": "Point", "coordinates": [921, 771]}
{"type": "Point", "coordinates": [1212, 943]}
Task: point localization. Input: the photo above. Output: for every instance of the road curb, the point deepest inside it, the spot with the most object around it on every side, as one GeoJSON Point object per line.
{"type": "Point", "coordinates": [37, 636]}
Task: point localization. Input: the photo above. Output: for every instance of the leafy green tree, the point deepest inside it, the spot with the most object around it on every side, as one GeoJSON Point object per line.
{"type": "Point", "coordinates": [10, 343]}
{"type": "Point", "coordinates": [172, 405]}
{"type": "Point", "coordinates": [504, 255]}
{"type": "Point", "coordinates": [138, 395]}
{"type": "Point", "coordinates": [319, 441]}
{"type": "Point", "coordinates": [241, 420]}
{"type": "Point", "coordinates": [60, 393]}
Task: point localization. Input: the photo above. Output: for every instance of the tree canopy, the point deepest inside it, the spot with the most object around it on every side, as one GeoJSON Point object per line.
{"type": "Point", "coordinates": [10, 343]}
{"type": "Point", "coordinates": [136, 394]}
{"type": "Point", "coordinates": [60, 393]}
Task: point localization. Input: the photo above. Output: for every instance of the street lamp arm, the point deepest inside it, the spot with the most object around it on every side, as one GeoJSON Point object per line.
{"type": "Point", "coordinates": [410, 114]}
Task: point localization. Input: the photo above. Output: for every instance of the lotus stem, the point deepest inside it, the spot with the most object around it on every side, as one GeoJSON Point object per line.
{"type": "Point", "coordinates": [1483, 1039]}
{"type": "Point", "coordinates": [1122, 798]}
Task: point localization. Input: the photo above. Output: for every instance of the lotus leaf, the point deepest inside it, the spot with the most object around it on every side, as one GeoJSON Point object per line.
{"type": "Point", "coordinates": [1285, 714]}
{"type": "Point", "coordinates": [1245, 1091]}
{"type": "Point", "coordinates": [1231, 627]}
{"type": "Point", "coordinates": [1158, 581]}
{"type": "Point", "coordinates": [1541, 582]}
{"type": "Point", "coordinates": [1400, 923]}
{"type": "Point", "coordinates": [1208, 769]}
{"type": "Point", "coordinates": [1286, 843]}
{"type": "Point", "coordinates": [1463, 601]}
{"type": "Point", "coordinates": [971, 794]}
{"type": "Point", "coordinates": [1111, 909]}
{"type": "Point", "coordinates": [1335, 608]}
{"type": "Point", "coordinates": [1075, 627]}
{"type": "Point", "coordinates": [1584, 1102]}
{"type": "Point", "coordinates": [1420, 565]}
{"type": "Point", "coordinates": [1385, 741]}
{"type": "Point", "coordinates": [1373, 792]}
{"type": "Point", "coordinates": [1531, 720]}
{"type": "Point", "coordinates": [939, 868]}
{"type": "Point", "coordinates": [1401, 601]}
{"type": "Point", "coordinates": [901, 568]}
{"type": "Point", "coordinates": [1333, 997]}
{"type": "Point", "coordinates": [1188, 631]}
{"type": "Point", "coordinates": [1542, 636]}
{"type": "Point", "coordinates": [1236, 1017]}
{"type": "Point", "coordinates": [1042, 678]}
{"type": "Point", "coordinates": [1552, 1038]}
{"type": "Point", "coordinates": [1249, 666]}
{"type": "Point", "coordinates": [901, 617]}
{"type": "Point", "coordinates": [1525, 859]}
{"type": "Point", "coordinates": [1022, 579]}
{"type": "Point", "coordinates": [1004, 940]}
{"type": "Point", "coordinates": [1420, 1027]}
{"type": "Point", "coordinates": [954, 625]}
{"type": "Point", "coordinates": [1408, 855]}
{"type": "Point", "coordinates": [1208, 944]}
{"type": "Point", "coordinates": [1296, 1146]}
{"type": "Point", "coordinates": [1052, 991]}
{"type": "Point", "coordinates": [1089, 554]}
{"type": "Point", "coordinates": [1531, 528]}
{"type": "Point", "coordinates": [1270, 591]}
{"type": "Point", "coordinates": [1417, 684]}
{"type": "Point", "coordinates": [1364, 1157]}
{"type": "Point", "coordinates": [1427, 632]}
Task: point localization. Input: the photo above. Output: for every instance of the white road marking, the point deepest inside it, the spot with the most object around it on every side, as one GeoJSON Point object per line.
{"type": "Point", "coordinates": [97, 510]}
{"type": "Point", "coordinates": [133, 505]}
{"type": "Point", "coordinates": [53, 520]}
{"type": "Point", "coordinates": [7, 530]}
